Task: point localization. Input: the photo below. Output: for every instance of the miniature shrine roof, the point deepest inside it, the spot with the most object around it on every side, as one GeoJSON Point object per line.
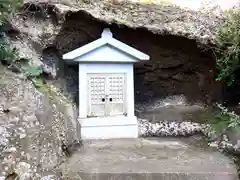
{"type": "Point", "coordinates": [106, 49]}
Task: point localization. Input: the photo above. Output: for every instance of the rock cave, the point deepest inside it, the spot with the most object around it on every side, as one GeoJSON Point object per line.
{"type": "Point", "coordinates": [178, 65]}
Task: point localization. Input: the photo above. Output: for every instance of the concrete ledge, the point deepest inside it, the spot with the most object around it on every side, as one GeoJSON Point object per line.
{"type": "Point", "coordinates": [109, 127]}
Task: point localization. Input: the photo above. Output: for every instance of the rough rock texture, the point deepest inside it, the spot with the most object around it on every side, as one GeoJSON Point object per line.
{"type": "Point", "coordinates": [162, 129]}
{"type": "Point", "coordinates": [162, 18]}
{"type": "Point", "coordinates": [33, 127]}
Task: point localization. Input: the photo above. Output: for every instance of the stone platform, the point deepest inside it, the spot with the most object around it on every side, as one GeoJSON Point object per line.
{"type": "Point", "coordinates": [109, 127]}
{"type": "Point", "coordinates": [149, 159]}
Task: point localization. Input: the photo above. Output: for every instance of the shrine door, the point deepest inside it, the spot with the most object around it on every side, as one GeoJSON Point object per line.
{"type": "Point", "coordinates": [107, 95]}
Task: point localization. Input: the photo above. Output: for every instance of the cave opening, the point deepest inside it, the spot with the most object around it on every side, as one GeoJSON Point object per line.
{"type": "Point", "coordinates": [177, 65]}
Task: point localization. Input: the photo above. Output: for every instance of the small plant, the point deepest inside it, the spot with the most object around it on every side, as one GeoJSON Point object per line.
{"type": "Point", "coordinates": [228, 47]}
{"type": "Point", "coordinates": [33, 72]}
{"type": "Point", "coordinates": [222, 119]}
{"type": "Point", "coordinates": [8, 8]}
{"type": "Point", "coordinates": [233, 118]}
{"type": "Point", "coordinates": [7, 54]}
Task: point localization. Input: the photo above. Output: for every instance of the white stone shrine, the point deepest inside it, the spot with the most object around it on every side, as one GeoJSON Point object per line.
{"type": "Point", "coordinates": [106, 87]}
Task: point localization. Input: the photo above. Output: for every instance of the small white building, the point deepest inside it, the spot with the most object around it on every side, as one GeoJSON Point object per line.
{"type": "Point", "coordinates": [106, 88]}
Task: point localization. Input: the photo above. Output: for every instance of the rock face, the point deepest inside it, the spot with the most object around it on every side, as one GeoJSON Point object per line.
{"type": "Point", "coordinates": [33, 127]}
{"type": "Point", "coordinates": [161, 18]}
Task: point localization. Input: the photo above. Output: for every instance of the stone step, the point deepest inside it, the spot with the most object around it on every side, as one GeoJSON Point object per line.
{"type": "Point", "coordinates": [153, 176]}
{"type": "Point", "coordinates": [149, 159]}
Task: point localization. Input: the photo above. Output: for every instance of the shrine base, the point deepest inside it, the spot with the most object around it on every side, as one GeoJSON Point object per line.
{"type": "Point", "coordinates": [109, 127]}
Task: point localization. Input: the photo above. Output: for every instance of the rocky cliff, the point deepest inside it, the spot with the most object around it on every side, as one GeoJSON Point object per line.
{"type": "Point", "coordinates": [36, 122]}
{"type": "Point", "coordinates": [34, 126]}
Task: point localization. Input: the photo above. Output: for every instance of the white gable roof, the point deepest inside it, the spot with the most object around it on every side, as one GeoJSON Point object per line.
{"type": "Point", "coordinates": [106, 49]}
